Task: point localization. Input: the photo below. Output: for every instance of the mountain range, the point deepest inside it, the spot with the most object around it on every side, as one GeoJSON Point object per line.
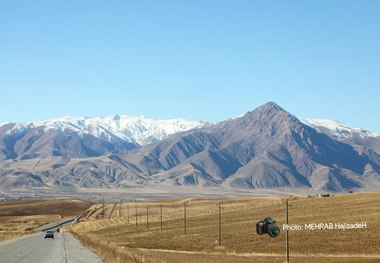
{"type": "Point", "coordinates": [85, 137]}
{"type": "Point", "coordinates": [267, 148]}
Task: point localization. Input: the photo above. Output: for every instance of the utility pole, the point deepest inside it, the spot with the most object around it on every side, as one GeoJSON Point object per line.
{"type": "Point", "coordinates": [286, 202]}
{"type": "Point", "coordinates": [184, 218]}
{"type": "Point", "coordinates": [161, 215]}
{"type": "Point", "coordinates": [128, 213]}
{"type": "Point", "coordinates": [219, 224]}
{"type": "Point", "coordinates": [136, 214]}
{"type": "Point", "coordinates": [147, 217]}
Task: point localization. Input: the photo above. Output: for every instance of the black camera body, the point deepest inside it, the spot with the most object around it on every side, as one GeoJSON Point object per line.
{"type": "Point", "coordinates": [267, 226]}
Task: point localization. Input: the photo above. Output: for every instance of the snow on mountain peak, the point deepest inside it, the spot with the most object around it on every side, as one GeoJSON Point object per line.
{"type": "Point", "coordinates": [337, 129]}
{"type": "Point", "coordinates": [140, 130]}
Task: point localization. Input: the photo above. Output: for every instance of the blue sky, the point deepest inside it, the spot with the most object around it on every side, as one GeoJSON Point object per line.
{"type": "Point", "coordinates": [208, 60]}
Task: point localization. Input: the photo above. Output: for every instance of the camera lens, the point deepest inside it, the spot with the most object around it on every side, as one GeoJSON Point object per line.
{"type": "Point", "coordinates": [273, 230]}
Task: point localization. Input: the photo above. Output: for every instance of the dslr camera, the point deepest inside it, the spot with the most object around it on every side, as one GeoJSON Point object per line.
{"type": "Point", "coordinates": [267, 226]}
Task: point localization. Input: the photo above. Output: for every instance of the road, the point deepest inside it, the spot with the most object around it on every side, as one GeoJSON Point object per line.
{"type": "Point", "coordinates": [54, 226]}
{"type": "Point", "coordinates": [64, 248]}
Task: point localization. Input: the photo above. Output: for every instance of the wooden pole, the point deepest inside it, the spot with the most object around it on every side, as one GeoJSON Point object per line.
{"type": "Point", "coordinates": [147, 217]}
{"type": "Point", "coordinates": [287, 232]}
{"type": "Point", "coordinates": [136, 214]}
{"type": "Point", "coordinates": [161, 215]}
{"type": "Point", "coordinates": [128, 213]}
{"type": "Point", "coordinates": [184, 218]}
{"type": "Point", "coordinates": [219, 224]}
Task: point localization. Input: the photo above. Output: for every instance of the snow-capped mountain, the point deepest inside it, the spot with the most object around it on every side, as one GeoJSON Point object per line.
{"type": "Point", "coordinates": [360, 139]}
{"type": "Point", "coordinates": [133, 129]}
{"type": "Point", "coordinates": [265, 148]}
{"type": "Point", "coordinates": [337, 129]}
{"type": "Point", "coordinates": [85, 137]}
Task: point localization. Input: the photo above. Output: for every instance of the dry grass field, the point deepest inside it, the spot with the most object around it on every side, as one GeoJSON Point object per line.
{"type": "Point", "coordinates": [21, 217]}
{"type": "Point", "coordinates": [105, 228]}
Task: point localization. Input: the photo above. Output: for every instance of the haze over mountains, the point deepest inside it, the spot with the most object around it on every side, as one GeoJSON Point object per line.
{"type": "Point", "coordinates": [265, 148]}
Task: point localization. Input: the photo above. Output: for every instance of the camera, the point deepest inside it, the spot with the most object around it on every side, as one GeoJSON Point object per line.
{"type": "Point", "coordinates": [267, 226]}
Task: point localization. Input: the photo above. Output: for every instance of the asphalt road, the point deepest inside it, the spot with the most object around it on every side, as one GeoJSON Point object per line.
{"type": "Point", "coordinates": [64, 248]}
{"type": "Point", "coordinates": [54, 226]}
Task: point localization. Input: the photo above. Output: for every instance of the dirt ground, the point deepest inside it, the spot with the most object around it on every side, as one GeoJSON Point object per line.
{"type": "Point", "coordinates": [113, 226]}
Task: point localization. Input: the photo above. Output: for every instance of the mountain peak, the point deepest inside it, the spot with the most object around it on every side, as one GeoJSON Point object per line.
{"type": "Point", "coordinates": [268, 110]}
{"type": "Point", "coordinates": [118, 131]}
{"type": "Point", "coordinates": [270, 105]}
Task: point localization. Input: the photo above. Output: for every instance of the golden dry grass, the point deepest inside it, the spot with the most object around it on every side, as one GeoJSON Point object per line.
{"type": "Point", "coordinates": [20, 217]}
{"type": "Point", "coordinates": [105, 228]}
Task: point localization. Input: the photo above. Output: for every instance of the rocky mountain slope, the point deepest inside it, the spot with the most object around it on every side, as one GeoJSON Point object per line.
{"type": "Point", "coordinates": [85, 137]}
{"type": "Point", "coordinates": [361, 139]}
{"type": "Point", "coordinates": [265, 148]}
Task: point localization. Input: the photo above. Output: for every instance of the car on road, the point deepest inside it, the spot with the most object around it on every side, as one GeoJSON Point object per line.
{"type": "Point", "coordinates": [49, 234]}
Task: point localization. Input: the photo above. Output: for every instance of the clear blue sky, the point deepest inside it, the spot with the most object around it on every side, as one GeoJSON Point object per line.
{"type": "Point", "coordinates": [196, 59]}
